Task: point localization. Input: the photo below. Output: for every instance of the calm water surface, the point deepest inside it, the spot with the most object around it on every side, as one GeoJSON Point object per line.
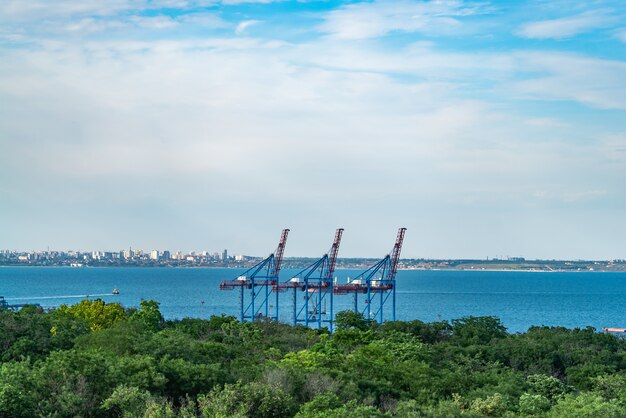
{"type": "Point", "coordinates": [520, 299]}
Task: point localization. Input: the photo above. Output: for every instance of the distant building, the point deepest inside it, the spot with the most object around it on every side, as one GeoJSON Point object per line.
{"type": "Point", "coordinates": [166, 255]}
{"type": "Point", "coordinates": [224, 255]}
{"type": "Point", "coordinates": [154, 255]}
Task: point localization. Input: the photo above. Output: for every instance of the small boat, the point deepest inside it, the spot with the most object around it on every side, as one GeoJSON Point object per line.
{"type": "Point", "coordinates": [613, 329]}
{"type": "Point", "coordinates": [115, 291]}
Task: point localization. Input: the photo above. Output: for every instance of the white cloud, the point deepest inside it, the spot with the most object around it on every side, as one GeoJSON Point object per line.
{"type": "Point", "coordinates": [598, 83]}
{"type": "Point", "coordinates": [89, 24]}
{"type": "Point", "coordinates": [547, 123]}
{"type": "Point", "coordinates": [621, 35]}
{"type": "Point", "coordinates": [565, 27]}
{"type": "Point", "coordinates": [614, 147]}
{"type": "Point", "coordinates": [242, 26]}
{"type": "Point", "coordinates": [32, 10]}
{"type": "Point", "coordinates": [166, 106]}
{"type": "Point", "coordinates": [237, 2]}
{"type": "Point", "coordinates": [206, 19]}
{"type": "Point", "coordinates": [86, 25]}
{"type": "Point", "coordinates": [368, 20]}
{"type": "Point", "coordinates": [154, 22]}
{"type": "Point", "coordinates": [13, 11]}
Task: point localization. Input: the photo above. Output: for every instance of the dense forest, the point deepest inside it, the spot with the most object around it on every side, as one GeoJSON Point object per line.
{"type": "Point", "coordinates": [95, 359]}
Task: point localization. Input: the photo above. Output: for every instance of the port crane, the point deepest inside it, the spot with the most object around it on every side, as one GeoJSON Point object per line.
{"type": "Point", "coordinates": [256, 284]}
{"type": "Point", "coordinates": [378, 283]}
{"type": "Point", "coordinates": [6, 305]}
{"type": "Point", "coordinates": [316, 284]}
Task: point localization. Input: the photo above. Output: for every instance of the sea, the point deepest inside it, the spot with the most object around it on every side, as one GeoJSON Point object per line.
{"type": "Point", "coordinates": [519, 299]}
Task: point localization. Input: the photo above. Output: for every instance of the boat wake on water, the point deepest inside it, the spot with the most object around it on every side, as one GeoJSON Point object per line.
{"type": "Point", "coordinates": [62, 297]}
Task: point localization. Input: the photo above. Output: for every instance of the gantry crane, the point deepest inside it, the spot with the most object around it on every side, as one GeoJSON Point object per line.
{"type": "Point", "coordinates": [378, 283]}
{"type": "Point", "coordinates": [316, 284]}
{"type": "Point", "coordinates": [256, 284]}
{"type": "Point", "coordinates": [14, 307]}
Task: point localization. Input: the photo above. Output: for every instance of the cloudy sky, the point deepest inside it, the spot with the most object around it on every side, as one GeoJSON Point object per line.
{"type": "Point", "coordinates": [487, 128]}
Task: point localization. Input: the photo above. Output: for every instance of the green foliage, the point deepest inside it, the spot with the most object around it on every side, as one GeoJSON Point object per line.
{"type": "Point", "coordinates": [352, 320]}
{"type": "Point", "coordinates": [96, 313]}
{"type": "Point", "coordinates": [98, 360]}
{"type": "Point", "coordinates": [319, 404]}
{"type": "Point", "coordinates": [149, 314]}
{"type": "Point", "coordinates": [127, 402]}
{"type": "Point", "coordinates": [587, 405]}
{"type": "Point", "coordinates": [18, 388]}
{"type": "Point", "coordinates": [533, 404]}
{"type": "Point", "coordinates": [428, 333]}
{"type": "Point", "coordinates": [306, 360]}
{"type": "Point", "coordinates": [491, 406]}
{"type": "Point", "coordinates": [160, 409]}
{"type": "Point", "coordinates": [349, 410]}
{"type": "Point", "coordinates": [611, 386]}
{"type": "Point", "coordinates": [33, 333]}
{"type": "Point", "coordinates": [548, 387]}
{"type": "Point", "coordinates": [247, 400]}
{"type": "Point", "coordinates": [477, 330]}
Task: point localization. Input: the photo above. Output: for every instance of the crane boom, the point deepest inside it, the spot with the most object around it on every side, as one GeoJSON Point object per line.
{"type": "Point", "coordinates": [395, 254]}
{"type": "Point", "coordinates": [334, 250]}
{"type": "Point", "coordinates": [278, 254]}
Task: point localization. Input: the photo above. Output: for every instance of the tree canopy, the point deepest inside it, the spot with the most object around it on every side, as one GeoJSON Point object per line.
{"type": "Point", "coordinates": [97, 359]}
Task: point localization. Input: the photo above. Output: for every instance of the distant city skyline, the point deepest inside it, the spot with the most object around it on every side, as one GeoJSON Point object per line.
{"type": "Point", "coordinates": [166, 254]}
{"type": "Point", "coordinates": [204, 259]}
{"type": "Point", "coordinates": [484, 127]}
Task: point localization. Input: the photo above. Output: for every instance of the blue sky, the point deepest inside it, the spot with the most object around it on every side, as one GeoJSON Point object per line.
{"type": "Point", "coordinates": [487, 128]}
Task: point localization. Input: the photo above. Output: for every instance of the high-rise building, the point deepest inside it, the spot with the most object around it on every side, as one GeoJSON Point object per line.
{"type": "Point", "coordinates": [154, 255]}
{"type": "Point", "coordinates": [166, 255]}
{"type": "Point", "coordinates": [224, 255]}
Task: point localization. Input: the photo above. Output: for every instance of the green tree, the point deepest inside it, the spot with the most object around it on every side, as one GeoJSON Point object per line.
{"type": "Point", "coordinates": [19, 393]}
{"type": "Point", "coordinates": [349, 410]}
{"type": "Point", "coordinates": [530, 404]}
{"type": "Point", "coordinates": [549, 387]}
{"type": "Point", "coordinates": [477, 330]}
{"type": "Point", "coordinates": [321, 403]}
{"type": "Point", "coordinates": [149, 314]}
{"type": "Point", "coordinates": [611, 386]}
{"type": "Point", "coordinates": [491, 406]}
{"type": "Point", "coordinates": [587, 405]}
{"type": "Point", "coordinates": [127, 402]}
{"type": "Point", "coordinates": [352, 320]}
{"type": "Point", "coordinates": [246, 400]}
{"type": "Point", "coordinates": [96, 313]}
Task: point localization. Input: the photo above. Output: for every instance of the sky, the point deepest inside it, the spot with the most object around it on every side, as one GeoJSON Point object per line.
{"type": "Point", "coordinates": [487, 128]}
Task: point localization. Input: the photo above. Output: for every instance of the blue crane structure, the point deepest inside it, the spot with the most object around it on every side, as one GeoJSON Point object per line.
{"type": "Point", "coordinates": [316, 284]}
{"type": "Point", "coordinates": [256, 284]}
{"type": "Point", "coordinates": [6, 305]}
{"type": "Point", "coordinates": [378, 283]}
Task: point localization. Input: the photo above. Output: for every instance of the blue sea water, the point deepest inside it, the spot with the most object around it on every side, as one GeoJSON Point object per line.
{"type": "Point", "coordinates": [519, 299]}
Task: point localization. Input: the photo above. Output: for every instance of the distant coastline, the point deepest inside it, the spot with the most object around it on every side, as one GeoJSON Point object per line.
{"type": "Point", "coordinates": [494, 265]}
